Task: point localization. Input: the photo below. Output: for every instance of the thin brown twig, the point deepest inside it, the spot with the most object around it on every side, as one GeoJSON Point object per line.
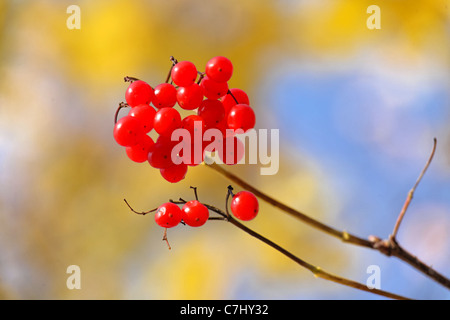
{"type": "Point", "coordinates": [317, 271]}
{"type": "Point", "coordinates": [121, 106]}
{"type": "Point", "coordinates": [174, 62]}
{"type": "Point", "coordinates": [411, 193]}
{"type": "Point", "coordinates": [201, 75]}
{"type": "Point", "coordinates": [389, 247]}
{"type": "Point", "coordinates": [130, 79]}
{"type": "Point", "coordinates": [143, 213]}
{"type": "Point", "coordinates": [232, 95]}
{"type": "Point", "coordinates": [195, 192]}
{"type": "Point", "coordinates": [165, 238]}
{"type": "Point", "coordinates": [343, 235]}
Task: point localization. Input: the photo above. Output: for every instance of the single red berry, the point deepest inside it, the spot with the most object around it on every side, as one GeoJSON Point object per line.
{"type": "Point", "coordinates": [165, 96]}
{"type": "Point", "coordinates": [167, 120]}
{"type": "Point", "coordinates": [228, 101]}
{"type": "Point", "coordinates": [244, 205]}
{"type": "Point", "coordinates": [193, 154]}
{"type": "Point", "coordinates": [128, 131]}
{"type": "Point", "coordinates": [190, 97]}
{"type": "Point", "coordinates": [212, 112]}
{"type": "Point", "coordinates": [213, 89]}
{"type": "Point", "coordinates": [160, 155]}
{"type": "Point", "coordinates": [219, 69]}
{"type": "Point", "coordinates": [194, 124]}
{"type": "Point", "coordinates": [139, 152]}
{"type": "Point", "coordinates": [232, 151]}
{"type": "Point", "coordinates": [194, 213]}
{"type": "Point", "coordinates": [168, 215]}
{"type": "Point", "coordinates": [145, 114]}
{"type": "Point", "coordinates": [184, 73]}
{"type": "Point", "coordinates": [139, 92]}
{"type": "Point", "coordinates": [174, 173]}
{"type": "Point", "coordinates": [223, 127]}
{"type": "Point", "coordinates": [241, 116]}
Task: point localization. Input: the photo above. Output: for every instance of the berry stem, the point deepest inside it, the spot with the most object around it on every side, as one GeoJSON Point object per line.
{"type": "Point", "coordinates": [165, 238]}
{"type": "Point", "coordinates": [195, 192]}
{"type": "Point", "coordinates": [232, 95]}
{"type": "Point", "coordinates": [130, 79]}
{"type": "Point", "coordinates": [174, 62]}
{"type": "Point", "coordinates": [137, 212]}
{"type": "Point", "coordinates": [201, 76]}
{"type": "Point", "coordinates": [121, 105]}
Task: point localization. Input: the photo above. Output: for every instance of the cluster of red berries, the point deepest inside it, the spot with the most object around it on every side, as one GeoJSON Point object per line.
{"type": "Point", "coordinates": [217, 106]}
{"type": "Point", "coordinates": [244, 206]}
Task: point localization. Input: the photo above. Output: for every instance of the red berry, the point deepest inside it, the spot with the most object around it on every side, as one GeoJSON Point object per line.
{"type": "Point", "coordinates": [128, 131]}
{"type": "Point", "coordinates": [184, 73]}
{"type": "Point", "coordinates": [194, 124]}
{"type": "Point", "coordinates": [139, 152]}
{"type": "Point", "coordinates": [193, 154]}
{"type": "Point", "coordinates": [160, 155]}
{"type": "Point", "coordinates": [190, 97]}
{"type": "Point", "coordinates": [139, 92]}
{"type": "Point", "coordinates": [213, 89]}
{"type": "Point", "coordinates": [145, 114]}
{"type": "Point", "coordinates": [194, 213]}
{"type": "Point", "coordinates": [228, 101]}
{"type": "Point", "coordinates": [219, 69]}
{"type": "Point", "coordinates": [167, 120]}
{"type": "Point", "coordinates": [232, 151]}
{"type": "Point", "coordinates": [241, 116]}
{"type": "Point", "coordinates": [244, 205]}
{"type": "Point", "coordinates": [174, 173]}
{"type": "Point", "coordinates": [223, 127]}
{"type": "Point", "coordinates": [165, 96]}
{"type": "Point", "coordinates": [168, 215]}
{"type": "Point", "coordinates": [212, 112]}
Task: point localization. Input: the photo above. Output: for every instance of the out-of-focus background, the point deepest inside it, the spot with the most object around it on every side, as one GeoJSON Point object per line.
{"type": "Point", "coordinates": [357, 111]}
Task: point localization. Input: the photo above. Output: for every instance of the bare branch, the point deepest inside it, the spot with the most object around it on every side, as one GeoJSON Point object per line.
{"type": "Point", "coordinates": [411, 193]}
{"type": "Point", "coordinates": [388, 247]}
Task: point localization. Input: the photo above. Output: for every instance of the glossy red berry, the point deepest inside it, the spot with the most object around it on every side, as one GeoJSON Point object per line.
{"type": "Point", "coordinates": [145, 114]}
{"type": "Point", "coordinates": [190, 97]}
{"type": "Point", "coordinates": [168, 215]}
{"type": "Point", "coordinates": [165, 96]}
{"type": "Point", "coordinates": [219, 69]}
{"type": "Point", "coordinates": [139, 92]}
{"type": "Point", "coordinates": [239, 95]}
{"type": "Point", "coordinates": [241, 116]}
{"type": "Point", "coordinates": [194, 124]}
{"type": "Point", "coordinates": [213, 89]}
{"type": "Point", "coordinates": [128, 131]}
{"type": "Point", "coordinates": [194, 213]}
{"type": "Point", "coordinates": [193, 154]}
{"type": "Point", "coordinates": [167, 120]}
{"type": "Point", "coordinates": [184, 73]}
{"type": "Point", "coordinates": [174, 173]}
{"type": "Point", "coordinates": [139, 152]}
{"type": "Point", "coordinates": [160, 155]}
{"type": "Point", "coordinates": [212, 112]}
{"type": "Point", "coordinates": [244, 205]}
{"type": "Point", "coordinates": [232, 151]}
